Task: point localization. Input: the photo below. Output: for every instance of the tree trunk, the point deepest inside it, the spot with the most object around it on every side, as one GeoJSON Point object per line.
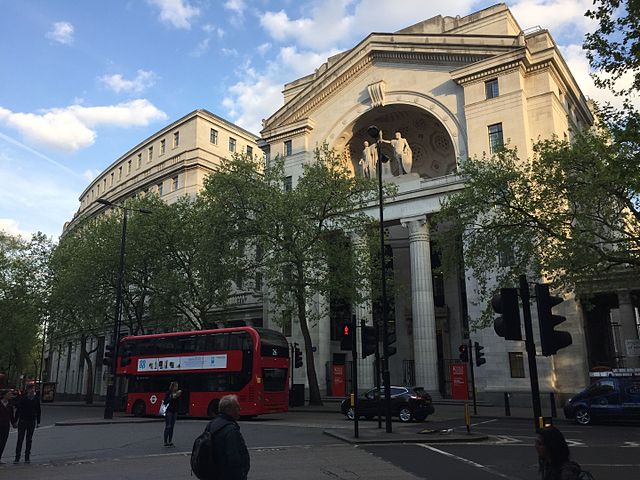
{"type": "Point", "coordinates": [314, 390]}
{"type": "Point", "coordinates": [86, 357]}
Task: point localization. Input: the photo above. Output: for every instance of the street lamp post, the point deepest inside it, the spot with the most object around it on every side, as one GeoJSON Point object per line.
{"type": "Point", "coordinates": [109, 406]}
{"type": "Point", "coordinates": [374, 132]}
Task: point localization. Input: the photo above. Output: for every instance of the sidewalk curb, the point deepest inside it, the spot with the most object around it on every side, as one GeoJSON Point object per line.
{"type": "Point", "coordinates": [408, 438]}
{"type": "Point", "coordinates": [75, 423]}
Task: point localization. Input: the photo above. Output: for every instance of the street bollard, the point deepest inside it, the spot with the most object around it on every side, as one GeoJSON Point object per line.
{"type": "Point", "coordinates": [552, 400]}
{"type": "Point", "coordinates": [507, 408]}
{"type": "Point", "coordinates": [467, 417]}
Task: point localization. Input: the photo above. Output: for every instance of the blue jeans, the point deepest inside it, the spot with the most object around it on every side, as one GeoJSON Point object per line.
{"type": "Point", "coordinates": [169, 422]}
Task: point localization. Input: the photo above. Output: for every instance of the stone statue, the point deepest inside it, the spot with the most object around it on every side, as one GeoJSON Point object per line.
{"type": "Point", "coordinates": [369, 160]}
{"type": "Point", "coordinates": [401, 152]}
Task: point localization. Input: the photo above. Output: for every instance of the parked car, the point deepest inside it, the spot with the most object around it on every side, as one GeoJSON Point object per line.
{"type": "Point", "coordinates": [407, 403]}
{"type": "Point", "coordinates": [607, 399]}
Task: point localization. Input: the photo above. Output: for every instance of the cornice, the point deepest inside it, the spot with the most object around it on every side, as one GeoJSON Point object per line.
{"type": "Point", "coordinates": [490, 72]}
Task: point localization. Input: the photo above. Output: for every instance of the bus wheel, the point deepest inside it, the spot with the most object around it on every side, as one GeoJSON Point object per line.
{"type": "Point", "coordinates": [212, 409]}
{"type": "Point", "coordinates": [139, 409]}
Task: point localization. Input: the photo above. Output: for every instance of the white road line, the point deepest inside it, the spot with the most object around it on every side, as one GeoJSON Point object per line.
{"type": "Point", "coordinates": [467, 461]}
{"type": "Point", "coordinates": [39, 428]}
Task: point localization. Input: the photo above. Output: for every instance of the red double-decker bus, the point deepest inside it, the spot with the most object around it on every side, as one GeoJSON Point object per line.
{"type": "Point", "coordinates": [252, 363]}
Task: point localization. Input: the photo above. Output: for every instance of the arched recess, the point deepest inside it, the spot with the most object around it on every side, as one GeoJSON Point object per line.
{"type": "Point", "coordinates": [436, 139]}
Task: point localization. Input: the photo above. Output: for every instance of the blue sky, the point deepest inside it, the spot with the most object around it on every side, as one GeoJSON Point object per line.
{"type": "Point", "coordinates": [82, 82]}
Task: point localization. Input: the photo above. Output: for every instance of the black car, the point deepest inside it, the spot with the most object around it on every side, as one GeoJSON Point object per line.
{"type": "Point", "coordinates": [407, 403]}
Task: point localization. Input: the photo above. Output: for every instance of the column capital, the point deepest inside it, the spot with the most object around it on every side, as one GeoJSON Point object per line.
{"type": "Point", "coordinates": [418, 224]}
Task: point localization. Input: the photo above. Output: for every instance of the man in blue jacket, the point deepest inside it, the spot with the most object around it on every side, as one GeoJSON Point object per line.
{"type": "Point", "coordinates": [27, 418]}
{"type": "Point", "coordinates": [230, 451]}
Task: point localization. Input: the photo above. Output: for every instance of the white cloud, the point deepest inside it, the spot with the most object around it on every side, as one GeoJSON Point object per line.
{"type": "Point", "coordinates": [72, 128]}
{"type": "Point", "coordinates": [263, 48]}
{"type": "Point", "coordinates": [229, 52]}
{"type": "Point", "coordinates": [62, 32]}
{"type": "Point", "coordinates": [201, 48]}
{"type": "Point", "coordinates": [143, 80]}
{"type": "Point", "coordinates": [236, 6]}
{"type": "Point", "coordinates": [12, 227]}
{"type": "Point", "coordinates": [90, 174]}
{"type": "Point", "coordinates": [177, 13]}
{"type": "Point", "coordinates": [560, 17]}
{"type": "Point", "coordinates": [212, 29]}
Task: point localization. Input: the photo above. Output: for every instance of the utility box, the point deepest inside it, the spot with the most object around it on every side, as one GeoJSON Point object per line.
{"type": "Point", "coordinates": [296, 395]}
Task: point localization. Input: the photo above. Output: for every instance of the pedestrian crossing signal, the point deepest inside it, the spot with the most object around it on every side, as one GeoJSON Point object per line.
{"type": "Point", "coordinates": [346, 342]}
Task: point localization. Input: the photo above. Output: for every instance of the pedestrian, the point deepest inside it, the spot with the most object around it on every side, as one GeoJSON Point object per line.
{"type": "Point", "coordinates": [28, 418]}
{"type": "Point", "coordinates": [553, 456]}
{"type": "Point", "coordinates": [7, 418]}
{"type": "Point", "coordinates": [231, 456]}
{"type": "Point", "coordinates": [171, 400]}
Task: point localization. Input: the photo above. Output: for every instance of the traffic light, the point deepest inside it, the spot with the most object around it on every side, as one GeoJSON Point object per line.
{"type": "Point", "coordinates": [369, 340]}
{"type": "Point", "coordinates": [125, 357]}
{"type": "Point", "coordinates": [551, 340]}
{"type": "Point", "coordinates": [464, 353]}
{"type": "Point", "coordinates": [506, 303]}
{"type": "Point", "coordinates": [480, 360]}
{"type": "Point", "coordinates": [108, 355]}
{"type": "Point", "coordinates": [390, 340]}
{"type": "Point", "coordinates": [297, 356]}
{"type": "Point", "coordinates": [346, 342]}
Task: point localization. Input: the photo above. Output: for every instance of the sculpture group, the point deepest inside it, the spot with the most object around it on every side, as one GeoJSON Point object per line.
{"type": "Point", "coordinates": [402, 154]}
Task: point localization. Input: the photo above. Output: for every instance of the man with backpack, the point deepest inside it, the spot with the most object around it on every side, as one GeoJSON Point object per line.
{"type": "Point", "coordinates": [220, 452]}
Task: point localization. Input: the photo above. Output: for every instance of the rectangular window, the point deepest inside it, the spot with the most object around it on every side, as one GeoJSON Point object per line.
{"type": "Point", "coordinates": [287, 148]}
{"type": "Point", "coordinates": [506, 256]}
{"type": "Point", "coordinates": [496, 143]}
{"type": "Point", "coordinates": [288, 184]}
{"type": "Point", "coordinates": [104, 185]}
{"type": "Point", "coordinates": [112, 178]}
{"type": "Point", "coordinates": [120, 173]}
{"type": "Point", "coordinates": [213, 136]}
{"type": "Point", "coordinates": [176, 139]}
{"type": "Point", "coordinates": [139, 160]}
{"type": "Point", "coordinates": [163, 147]}
{"type": "Point", "coordinates": [249, 151]}
{"type": "Point", "coordinates": [516, 364]}
{"type": "Point", "coordinates": [150, 156]}
{"type": "Point", "coordinates": [174, 183]}
{"type": "Point", "coordinates": [128, 166]}
{"type": "Point", "coordinates": [232, 144]}
{"type": "Point", "coordinates": [491, 88]}
{"type": "Point", "coordinates": [160, 189]}
{"type": "Point", "coordinates": [98, 189]}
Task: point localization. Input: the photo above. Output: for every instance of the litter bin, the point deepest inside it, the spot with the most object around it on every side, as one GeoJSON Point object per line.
{"type": "Point", "coordinates": [296, 395]}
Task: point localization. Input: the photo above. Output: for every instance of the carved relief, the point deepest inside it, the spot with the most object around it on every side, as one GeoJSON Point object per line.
{"type": "Point", "coordinates": [376, 93]}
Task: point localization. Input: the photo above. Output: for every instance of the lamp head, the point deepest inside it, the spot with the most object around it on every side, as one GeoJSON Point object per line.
{"type": "Point", "coordinates": [373, 131]}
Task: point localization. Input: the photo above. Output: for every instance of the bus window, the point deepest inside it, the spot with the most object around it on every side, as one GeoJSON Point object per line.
{"type": "Point", "coordinates": [240, 341]}
{"type": "Point", "coordinates": [166, 346]}
{"type": "Point", "coordinates": [274, 379]}
{"type": "Point", "coordinates": [186, 344]}
{"type": "Point", "coordinates": [273, 344]}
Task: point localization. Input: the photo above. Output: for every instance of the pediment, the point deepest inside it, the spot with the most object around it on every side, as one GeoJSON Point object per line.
{"type": "Point", "coordinates": [451, 51]}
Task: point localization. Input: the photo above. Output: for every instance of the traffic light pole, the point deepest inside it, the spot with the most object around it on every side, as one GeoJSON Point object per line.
{"type": "Point", "coordinates": [473, 379]}
{"type": "Point", "coordinates": [354, 375]}
{"type": "Point", "coordinates": [291, 369]}
{"type": "Point", "coordinates": [531, 350]}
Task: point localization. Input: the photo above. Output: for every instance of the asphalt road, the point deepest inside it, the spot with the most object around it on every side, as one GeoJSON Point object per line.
{"type": "Point", "coordinates": [292, 446]}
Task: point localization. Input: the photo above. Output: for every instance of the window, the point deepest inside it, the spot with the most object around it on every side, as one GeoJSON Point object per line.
{"type": "Point", "coordinates": [104, 185]}
{"type": "Point", "coordinates": [160, 189]}
{"type": "Point", "coordinates": [150, 157]}
{"type": "Point", "coordinates": [495, 138]}
{"type": "Point", "coordinates": [98, 189]}
{"type": "Point", "coordinates": [287, 148]}
{"type": "Point", "coordinates": [112, 178]}
{"type": "Point", "coordinates": [506, 256]}
{"type": "Point", "coordinates": [119, 172]}
{"type": "Point", "coordinates": [491, 88]}
{"type": "Point", "coordinates": [163, 147]}
{"type": "Point", "coordinates": [249, 151]}
{"type": "Point", "coordinates": [288, 184]}
{"type": "Point", "coordinates": [139, 160]}
{"type": "Point", "coordinates": [176, 139]}
{"type": "Point", "coordinates": [174, 183]}
{"type": "Point", "coordinates": [232, 144]}
{"type": "Point", "coordinates": [516, 364]}
{"type": "Point", "coordinates": [128, 166]}
{"type": "Point", "coordinates": [213, 136]}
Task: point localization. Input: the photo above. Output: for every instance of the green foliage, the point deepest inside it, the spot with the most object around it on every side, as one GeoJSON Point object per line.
{"type": "Point", "coordinates": [24, 290]}
{"type": "Point", "coordinates": [569, 213]}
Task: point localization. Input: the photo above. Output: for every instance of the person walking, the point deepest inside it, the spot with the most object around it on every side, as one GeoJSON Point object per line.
{"type": "Point", "coordinates": [7, 418]}
{"type": "Point", "coordinates": [231, 456]}
{"type": "Point", "coordinates": [553, 456]}
{"type": "Point", "coordinates": [171, 400]}
{"type": "Point", "coordinates": [28, 418]}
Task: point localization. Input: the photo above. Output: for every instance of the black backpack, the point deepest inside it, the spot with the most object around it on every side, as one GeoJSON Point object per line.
{"type": "Point", "coordinates": [203, 464]}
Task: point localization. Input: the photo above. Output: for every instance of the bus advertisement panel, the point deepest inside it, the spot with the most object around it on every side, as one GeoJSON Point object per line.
{"type": "Point", "coordinates": [252, 363]}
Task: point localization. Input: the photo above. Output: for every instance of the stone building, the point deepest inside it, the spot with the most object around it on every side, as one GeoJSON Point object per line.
{"type": "Point", "coordinates": [450, 88]}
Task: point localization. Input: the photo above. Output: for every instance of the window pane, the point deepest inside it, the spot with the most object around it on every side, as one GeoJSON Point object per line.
{"type": "Point", "coordinates": [516, 363]}
{"type": "Point", "coordinates": [495, 138]}
{"type": "Point", "coordinates": [491, 88]}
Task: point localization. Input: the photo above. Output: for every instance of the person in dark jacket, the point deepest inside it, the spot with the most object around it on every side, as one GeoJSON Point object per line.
{"type": "Point", "coordinates": [171, 400]}
{"type": "Point", "coordinates": [553, 455]}
{"type": "Point", "coordinates": [7, 418]}
{"type": "Point", "coordinates": [27, 418]}
{"type": "Point", "coordinates": [230, 452]}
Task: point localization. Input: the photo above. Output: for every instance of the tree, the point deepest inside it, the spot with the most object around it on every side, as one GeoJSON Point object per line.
{"type": "Point", "coordinates": [296, 228]}
{"type": "Point", "coordinates": [24, 292]}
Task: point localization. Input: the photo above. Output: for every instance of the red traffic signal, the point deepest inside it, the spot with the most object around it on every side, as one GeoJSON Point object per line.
{"type": "Point", "coordinates": [346, 342]}
{"type": "Point", "coordinates": [464, 353]}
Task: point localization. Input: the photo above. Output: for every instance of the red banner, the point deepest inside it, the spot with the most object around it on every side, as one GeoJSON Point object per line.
{"type": "Point", "coordinates": [338, 381]}
{"type": "Point", "coordinates": [459, 383]}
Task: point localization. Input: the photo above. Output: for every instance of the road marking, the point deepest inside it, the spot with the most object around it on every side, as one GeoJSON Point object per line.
{"type": "Point", "coordinates": [39, 428]}
{"type": "Point", "coordinates": [467, 461]}
{"type": "Point", "coordinates": [575, 443]}
{"type": "Point", "coordinates": [486, 421]}
{"type": "Point", "coordinates": [631, 444]}
{"type": "Point", "coordinates": [504, 439]}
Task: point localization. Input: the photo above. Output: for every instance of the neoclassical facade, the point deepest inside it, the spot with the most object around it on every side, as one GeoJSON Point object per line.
{"type": "Point", "coordinates": [441, 91]}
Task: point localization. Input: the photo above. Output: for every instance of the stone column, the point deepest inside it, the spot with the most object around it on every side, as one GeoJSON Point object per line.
{"type": "Point", "coordinates": [424, 316]}
{"type": "Point", "coordinates": [628, 328]}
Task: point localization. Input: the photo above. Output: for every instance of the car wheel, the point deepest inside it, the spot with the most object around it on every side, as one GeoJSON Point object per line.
{"type": "Point", "coordinates": [405, 414]}
{"type": "Point", "coordinates": [212, 409]}
{"type": "Point", "coordinates": [351, 413]}
{"type": "Point", "coordinates": [139, 409]}
{"type": "Point", "coordinates": [583, 416]}
{"type": "Point", "coordinates": [421, 417]}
